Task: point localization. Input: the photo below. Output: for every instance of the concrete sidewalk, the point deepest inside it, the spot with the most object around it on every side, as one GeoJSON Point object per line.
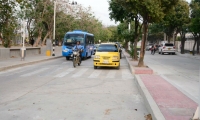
{"type": "Point", "coordinates": [196, 56]}
{"type": "Point", "coordinates": [17, 62]}
{"type": "Point", "coordinates": [163, 100]}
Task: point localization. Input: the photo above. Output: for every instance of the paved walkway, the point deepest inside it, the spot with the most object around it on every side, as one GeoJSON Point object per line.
{"type": "Point", "coordinates": [17, 62]}
{"type": "Point", "coordinates": [172, 103]}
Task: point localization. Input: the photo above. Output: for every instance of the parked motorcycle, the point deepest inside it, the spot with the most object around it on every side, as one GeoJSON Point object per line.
{"type": "Point", "coordinates": [76, 57]}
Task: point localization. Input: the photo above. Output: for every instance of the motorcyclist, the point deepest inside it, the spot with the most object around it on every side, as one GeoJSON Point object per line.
{"type": "Point", "coordinates": [78, 47]}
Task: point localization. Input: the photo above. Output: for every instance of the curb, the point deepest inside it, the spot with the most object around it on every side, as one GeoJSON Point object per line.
{"type": "Point", "coordinates": [130, 66]}
{"type": "Point", "coordinates": [135, 70]}
{"type": "Point", "coordinates": [149, 102]}
{"type": "Point", "coordinates": [28, 63]}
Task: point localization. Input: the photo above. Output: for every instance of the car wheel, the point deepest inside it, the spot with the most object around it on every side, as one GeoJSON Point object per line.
{"type": "Point", "coordinates": [162, 53]}
{"type": "Point", "coordinates": [95, 67]}
{"type": "Point", "coordinates": [158, 52]}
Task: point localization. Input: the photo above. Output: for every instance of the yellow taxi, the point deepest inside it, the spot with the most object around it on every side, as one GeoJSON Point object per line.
{"type": "Point", "coordinates": [107, 55]}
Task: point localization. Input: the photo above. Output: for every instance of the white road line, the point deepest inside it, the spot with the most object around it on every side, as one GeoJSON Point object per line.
{"type": "Point", "coordinates": [79, 73]}
{"type": "Point", "coordinates": [35, 72]}
{"type": "Point", "coordinates": [95, 74]}
{"type": "Point", "coordinates": [65, 72]}
{"type": "Point", "coordinates": [54, 70]}
{"type": "Point", "coordinates": [3, 72]}
{"type": "Point", "coordinates": [126, 73]}
{"type": "Point", "coordinates": [111, 74]}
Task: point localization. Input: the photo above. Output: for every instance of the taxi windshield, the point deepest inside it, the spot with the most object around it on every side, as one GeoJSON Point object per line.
{"type": "Point", "coordinates": [107, 48]}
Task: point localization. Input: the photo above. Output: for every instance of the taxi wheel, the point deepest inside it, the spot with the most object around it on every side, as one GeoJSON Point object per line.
{"type": "Point", "coordinates": [95, 67]}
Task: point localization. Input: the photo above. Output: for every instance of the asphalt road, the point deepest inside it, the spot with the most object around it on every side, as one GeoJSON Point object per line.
{"type": "Point", "coordinates": [54, 90]}
{"type": "Point", "coordinates": [182, 72]}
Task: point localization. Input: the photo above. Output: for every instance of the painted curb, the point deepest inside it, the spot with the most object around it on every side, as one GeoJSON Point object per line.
{"type": "Point", "coordinates": [137, 70]}
{"type": "Point", "coordinates": [149, 102]}
{"type": "Point", "coordinates": [28, 63]}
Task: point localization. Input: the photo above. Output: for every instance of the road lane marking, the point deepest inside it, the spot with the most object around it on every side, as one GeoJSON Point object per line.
{"type": "Point", "coordinates": [95, 74]}
{"type": "Point", "coordinates": [80, 73]}
{"type": "Point", "coordinates": [65, 72]}
{"type": "Point", "coordinates": [111, 74]}
{"type": "Point", "coordinates": [3, 72]}
{"type": "Point", "coordinates": [35, 72]}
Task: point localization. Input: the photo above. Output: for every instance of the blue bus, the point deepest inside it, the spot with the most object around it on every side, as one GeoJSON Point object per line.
{"type": "Point", "coordinates": [86, 40]}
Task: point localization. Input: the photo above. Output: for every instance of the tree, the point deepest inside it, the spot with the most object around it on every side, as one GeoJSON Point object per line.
{"type": "Point", "coordinates": [174, 21]}
{"type": "Point", "coordinates": [7, 21]}
{"type": "Point", "coordinates": [151, 11]}
{"type": "Point", "coordinates": [155, 33]}
{"type": "Point", "coordinates": [126, 14]}
{"type": "Point", "coordinates": [194, 26]}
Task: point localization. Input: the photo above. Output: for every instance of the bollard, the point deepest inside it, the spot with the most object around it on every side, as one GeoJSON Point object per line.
{"type": "Point", "coordinates": [23, 53]}
{"type": "Point", "coordinates": [53, 48]}
{"type": "Point", "coordinates": [48, 47]}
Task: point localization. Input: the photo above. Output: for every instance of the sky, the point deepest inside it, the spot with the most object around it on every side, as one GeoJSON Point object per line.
{"type": "Point", "coordinates": [100, 9]}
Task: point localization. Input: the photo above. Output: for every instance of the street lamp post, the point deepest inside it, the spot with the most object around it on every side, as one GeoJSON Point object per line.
{"type": "Point", "coordinates": [54, 23]}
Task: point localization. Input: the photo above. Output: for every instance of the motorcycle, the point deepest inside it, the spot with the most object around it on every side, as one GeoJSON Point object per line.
{"type": "Point", "coordinates": [76, 57]}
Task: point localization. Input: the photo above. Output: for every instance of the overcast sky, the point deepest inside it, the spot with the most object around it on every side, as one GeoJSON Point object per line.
{"type": "Point", "coordinates": [100, 9]}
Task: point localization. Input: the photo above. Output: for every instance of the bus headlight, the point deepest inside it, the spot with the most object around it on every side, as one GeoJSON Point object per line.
{"type": "Point", "coordinates": [96, 57]}
{"type": "Point", "coordinates": [65, 50]}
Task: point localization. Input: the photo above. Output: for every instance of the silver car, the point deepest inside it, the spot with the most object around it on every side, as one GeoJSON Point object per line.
{"type": "Point", "coordinates": [167, 48]}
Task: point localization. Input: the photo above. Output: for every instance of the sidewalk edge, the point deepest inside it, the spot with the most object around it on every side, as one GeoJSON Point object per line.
{"type": "Point", "coordinates": [28, 63]}
{"type": "Point", "coordinates": [130, 66]}
{"type": "Point", "coordinates": [148, 100]}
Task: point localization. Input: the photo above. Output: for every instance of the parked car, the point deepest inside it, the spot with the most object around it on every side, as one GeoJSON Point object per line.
{"type": "Point", "coordinates": [107, 55]}
{"type": "Point", "coordinates": [167, 48]}
{"type": "Point", "coordinates": [148, 47]}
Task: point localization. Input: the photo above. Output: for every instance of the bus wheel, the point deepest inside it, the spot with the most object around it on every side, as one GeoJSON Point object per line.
{"type": "Point", "coordinates": [67, 58]}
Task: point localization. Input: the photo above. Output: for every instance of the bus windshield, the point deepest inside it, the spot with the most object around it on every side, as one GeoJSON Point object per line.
{"type": "Point", "coordinates": [71, 39]}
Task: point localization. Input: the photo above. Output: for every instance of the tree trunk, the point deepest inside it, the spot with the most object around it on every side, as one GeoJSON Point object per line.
{"type": "Point", "coordinates": [198, 42]}
{"type": "Point", "coordinates": [193, 51]}
{"type": "Point", "coordinates": [142, 50]}
{"type": "Point", "coordinates": [183, 46]}
{"type": "Point", "coordinates": [182, 35]}
{"type": "Point", "coordinates": [44, 40]}
{"type": "Point", "coordinates": [126, 45]}
{"type": "Point", "coordinates": [169, 38]}
{"type": "Point", "coordinates": [135, 57]}
{"type": "Point", "coordinates": [38, 38]}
